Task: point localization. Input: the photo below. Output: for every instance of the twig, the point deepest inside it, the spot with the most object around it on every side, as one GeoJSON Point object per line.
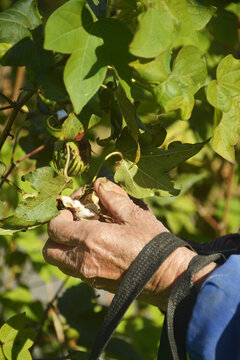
{"type": "Point", "coordinates": [17, 107]}
{"type": "Point", "coordinates": [18, 82]}
{"type": "Point", "coordinates": [6, 107]}
{"type": "Point", "coordinates": [34, 152]}
{"type": "Point", "coordinates": [15, 163]}
{"type": "Point", "coordinates": [204, 214]}
{"type": "Point", "coordinates": [49, 305]}
{"type": "Point", "coordinates": [6, 98]}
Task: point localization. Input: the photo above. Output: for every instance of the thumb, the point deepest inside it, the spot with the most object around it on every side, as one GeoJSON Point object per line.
{"type": "Point", "coordinates": [114, 199]}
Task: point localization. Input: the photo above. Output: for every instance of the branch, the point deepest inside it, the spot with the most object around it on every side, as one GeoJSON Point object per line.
{"type": "Point", "coordinates": [16, 108]}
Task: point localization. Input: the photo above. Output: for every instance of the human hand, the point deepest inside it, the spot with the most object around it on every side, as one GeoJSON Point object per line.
{"type": "Point", "coordinates": [100, 253]}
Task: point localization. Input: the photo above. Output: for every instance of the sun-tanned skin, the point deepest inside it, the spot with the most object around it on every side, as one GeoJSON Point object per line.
{"type": "Point", "coordinates": [100, 253]}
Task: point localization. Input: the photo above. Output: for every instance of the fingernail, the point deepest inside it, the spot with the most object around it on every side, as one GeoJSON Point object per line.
{"type": "Point", "coordinates": [106, 184]}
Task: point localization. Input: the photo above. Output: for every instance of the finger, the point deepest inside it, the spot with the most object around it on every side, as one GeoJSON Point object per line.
{"type": "Point", "coordinates": [54, 253]}
{"type": "Point", "coordinates": [77, 194]}
{"type": "Point", "coordinates": [63, 230]}
{"type": "Point", "coordinates": [111, 186]}
{"type": "Point", "coordinates": [115, 200]}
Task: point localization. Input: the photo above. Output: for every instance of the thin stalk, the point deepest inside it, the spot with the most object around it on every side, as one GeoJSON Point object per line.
{"type": "Point", "coordinates": [12, 117]}
{"type": "Point", "coordinates": [144, 86]}
{"type": "Point", "coordinates": [67, 162]}
{"type": "Point", "coordinates": [105, 159]}
{"type": "Point", "coordinates": [34, 152]}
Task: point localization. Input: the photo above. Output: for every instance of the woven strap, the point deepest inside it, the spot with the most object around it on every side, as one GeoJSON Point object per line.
{"type": "Point", "coordinates": [180, 306]}
{"type": "Point", "coordinates": [139, 273]}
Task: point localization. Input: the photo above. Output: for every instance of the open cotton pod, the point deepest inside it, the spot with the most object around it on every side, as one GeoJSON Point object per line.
{"type": "Point", "coordinates": [85, 206]}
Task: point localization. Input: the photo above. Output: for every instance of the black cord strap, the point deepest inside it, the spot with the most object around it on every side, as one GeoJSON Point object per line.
{"type": "Point", "coordinates": [180, 306]}
{"type": "Point", "coordinates": [139, 273]}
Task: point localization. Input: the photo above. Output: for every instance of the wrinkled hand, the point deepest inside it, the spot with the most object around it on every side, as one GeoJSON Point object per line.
{"type": "Point", "coordinates": [100, 253]}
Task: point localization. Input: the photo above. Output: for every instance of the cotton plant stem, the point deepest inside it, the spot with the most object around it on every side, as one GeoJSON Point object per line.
{"type": "Point", "coordinates": [108, 13]}
{"type": "Point", "coordinates": [13, 115]}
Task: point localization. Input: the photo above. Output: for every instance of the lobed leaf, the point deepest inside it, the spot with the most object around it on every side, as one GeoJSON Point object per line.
{"type": "Point", "coordinates": [66, 26]}
{"type": "Point", "coordinates": [70, 29]}
{"type": "Point", "coordinates": [38, 208]}
{"type": "Point", "coordinates": [224, 95]}
{"type": "Point", "coordinates": [149, 176]}
{"type": "Point", "coordinates": [16, 340]}
{"type": "Point", "coordinates": [18, 22]}
{"type": "Point", "coordinates": [176, 92]}
{"type": "Point", "coordinates": [84, 71]}
{"type": "Point", "coordinates": [155, 33]}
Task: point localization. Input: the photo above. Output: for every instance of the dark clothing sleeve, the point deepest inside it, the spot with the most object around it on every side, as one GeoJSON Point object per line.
{"type": "Point", "coordinates": [214, 327]}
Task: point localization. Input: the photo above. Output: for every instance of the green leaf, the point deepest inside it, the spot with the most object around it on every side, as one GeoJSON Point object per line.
{"type": "Point", "coordinates": [70, 30]}
{"type": "Point", "coordinates": [18, 22]}
{"type": "Point", "coordinates": [155, 33]}
{"type": "Point", "coordinates": [16, 340]}
{"type": "Point", "coordinates": [187, 77]}
{"type": "Point", "coordinates": [41, 207]}
{"type": "Point", "coordinates": [190, 65]}
{"type": "Point", "coordinates": [21, 28]}
{"type": "Point", "coordinates": [84, 71]}
{"type": "Point", "coordinates": [148, 177]}
{"type": "Point", "coordinates": [66, 26]}
{"type": "Point", "coordinates": [153, 71]}
{"type": "Point", "coordinates": [189, 15]}
{"type": "Point", "coordinates": [224, 95]}
{"type": "Point", "coordinates": [199, 14]}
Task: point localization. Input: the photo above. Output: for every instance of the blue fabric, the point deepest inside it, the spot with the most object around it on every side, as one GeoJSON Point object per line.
{"type": "Point", "coordinates": [214, 327]}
